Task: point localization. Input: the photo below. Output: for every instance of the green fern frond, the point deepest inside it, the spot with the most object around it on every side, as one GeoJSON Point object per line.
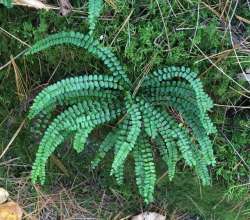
{"type": "Point", "coordinates": [118, 172]}
{"type": "Point", "coordinates": [150, 127]}
{"type": "Point", "coordinates": [202, 170]}
{"type": "Point", "coordinates": [105, 146]}
{"type": "Point", "coordinates": [169, 154]}
{"type": "Point", "coordinates": [88, 43]}
{"type": "Point", "coordinates": [204, 102]}
{"type": "Point", "coordinates": [94, 10]}
{"type": "Point", "coordinates": [127, 141]}
{"type": "Point", "coordinates": [81, 138]}
{"type": "Point", "coordinates": [139, 169]}
{"type": "Point", "coordinates": [200, 127]}
{"type": "Point", "coordinates": [71, 120]}
{"type": "Point", "coordinates": [7, 3]}
{"type": "Point", "coordinates": [169, 129]}
{"type": "Point", "coordinates": [172, 93]}
{"type": "Point", "coordinates": [101, 86]}
{"type": "Point", "coordinates": [141, 119]}
{"type": "Point", "coordinates": [110, 141]}
{"type": "Point", "coordinates": [144, 168]}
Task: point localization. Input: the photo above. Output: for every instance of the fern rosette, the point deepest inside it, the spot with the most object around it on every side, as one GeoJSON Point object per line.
{"type": "Point", "coordinates": [140, 118]}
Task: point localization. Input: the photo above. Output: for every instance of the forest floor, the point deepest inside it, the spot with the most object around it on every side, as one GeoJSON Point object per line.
{"type": "Point", "coordinates": [211, 37]}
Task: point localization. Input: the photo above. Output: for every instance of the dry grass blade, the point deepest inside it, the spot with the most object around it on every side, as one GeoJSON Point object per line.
{"type": "Point", "coordinates": [196, 26]}
{"type": "Point", "coordinates": [60, 165]}
{"type": "Point", "coordinates": [20, 83]}
{"type": "Point", "coordinates": [220, 69]}
{"type": "Point", "coordinates": [196, 205]}
{"type": "Point", "coordinates": [9, 62]}
{"type": "Point", "coordinates": [232, 106]}
{"type": "Point", "coordinates": [33, 4]}
{"type": "Point", "coordinates": [242, 19]}
{"type": "Point", "coordinates": [12, 139]}
{"type": "Point", "coordinates": [112, 3]}
{"type": "Point", "coordinates": [232, 40]}
{"type": "Point", "coordinates": [147, 68]}
{"type": "Point", "coordinates": [13, 36]}
{"type": "Point", "coordinates": [246, 165]}
{"type": "Point", "coordinates": [211, 9]}
{"type": "Point", "coordinates": [121, 28]}
{"type": "Point", "coordinates": [164, 24]}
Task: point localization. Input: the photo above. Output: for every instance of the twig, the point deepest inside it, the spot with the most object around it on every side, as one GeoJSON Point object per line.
{"type": "Point", "coordinates": [12, 139]}
{"type": "Point", "coordinates": [232, 42]}
{"type": "Point", "coordinates": [242, 19]}
{"type": "Point", "coordinates": [123, 25]}
{"type": "Point", "coordinates": [196, 27]}
{"type": "Point", "coordinates": [221, 70]}
{"type": "Point", "coordinates": [13, 36]}
{"type": "Point", "coordinates": [241, 158]}
{"type": "Point", "coordinates": [9, 62]}
{"type": "Point", "coordinates": [233, 106]}
{"type": "Point", "coordinates": [164, 25]}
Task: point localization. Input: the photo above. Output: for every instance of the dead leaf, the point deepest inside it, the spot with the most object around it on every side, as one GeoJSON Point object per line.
{"type": "Point", "coordinates": [149, 216]}
{"type": "Point", "coordinates": [65, 7]}
{"type": "Point", "coordinates": [32, 3]}
{"type": "Point", "coordinates": [10, 211]}
{"type": "Point", "coordinates": [4, 195]}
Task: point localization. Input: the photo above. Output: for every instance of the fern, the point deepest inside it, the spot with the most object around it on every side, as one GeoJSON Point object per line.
{"type": "Point", "coordinates": [6, 3]}
{"type": "Point", "coordinates": [94, 10]}
{"type": "Point", "coordinates": [145, 168]}
{"type": "Point", "coordinates": [140, 118]}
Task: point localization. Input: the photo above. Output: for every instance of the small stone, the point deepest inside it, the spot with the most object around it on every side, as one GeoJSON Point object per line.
{"type": "Point", "coordinates": [4, 195]}
{"type": "Point", "coordinates": [149, 216]}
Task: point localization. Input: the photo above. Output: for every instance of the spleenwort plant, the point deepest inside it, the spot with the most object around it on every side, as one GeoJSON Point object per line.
{"type": "Point", "coordinates": [142, 115]}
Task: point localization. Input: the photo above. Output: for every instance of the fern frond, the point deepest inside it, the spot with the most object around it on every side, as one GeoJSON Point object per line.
{"type": "Point", "coordinates": [169, 128]}
{"type": "Point", "coordinates": [71, 120]}
{"type": "Point", "coordinates": [139, 169]}
{"type": "Point", "coordinates": [150, 126]}
{"type": "Point", "coordinates": [110, 141]}
{"type": "Point", "coordinates": [170, 73]}
{"type": "Point", "coordinates": [81, 138]}
{"type": "Point", "coordinates": [172, 93]}
{"type": "Point", "coordinates": [7, 3]}
{"type": "Point", "coordinates": [128, 140]}
{"type": "Point", "coordinates": [64, 91]}
{"type": "Point", "coordinates": [92, 46]}
{"type": "Point", "coordinates": [202, 170]}
{"type": "Point", "coordinates": [144, 168]}
{"type": "Point", "coordinates": [168, 151]}
{"type": "Point", "coordinates": [200, 132]}
{"type": "Point", "coordinates": [201, 127]}
{"type": "Point", "coordinates": [94, 10]}
{"type": "Point", "coordinates": [105, 146]}
{"type": "Point", "coordinates": [119, 171]}
{"type": "Point", "coordinates": [191, 154]}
